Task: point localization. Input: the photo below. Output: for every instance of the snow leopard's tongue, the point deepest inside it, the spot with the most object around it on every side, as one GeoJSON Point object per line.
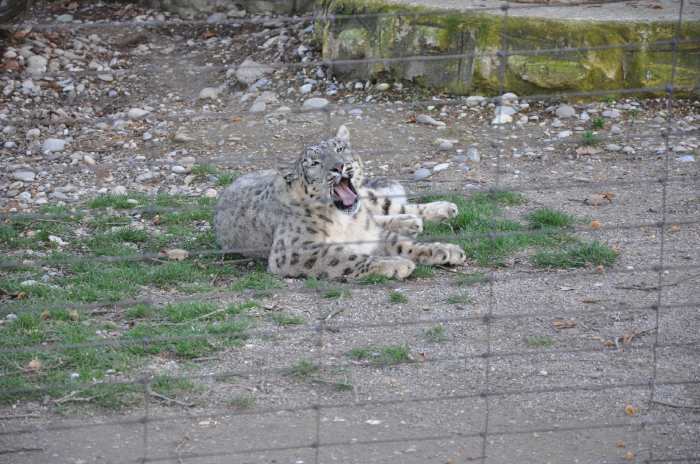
{"type": "Point", "coordinates": [343, 190]}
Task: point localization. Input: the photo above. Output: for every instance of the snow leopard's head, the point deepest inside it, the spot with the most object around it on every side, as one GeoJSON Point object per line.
{"type": "Point", "coordinates": [329, 172]}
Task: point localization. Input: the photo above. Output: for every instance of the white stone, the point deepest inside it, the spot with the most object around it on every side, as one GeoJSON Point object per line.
{"type": "Point", "coordinates": [57, 240]}
{"type": "Point", "coordinates": [564, 134]}
{"type": "Point", "coordinates": [473, 154]}
{"type": "Point", "coordinates": [509, 97]}
{"type": "Point", "coordinates": [89, 160]}
{"type": "Point", "coordinates": [137, 113]}
{"type": "Point", "coordinates": [507, 110]}
{"type": "Point", "coordinates": [613, 147]}
{"type": "Point", "coordinates": [686, 159]}
{"type": "Point", "coordinates": [383, 87]}
{"type": "Point", "coordinates": [441, 167]}
{"type": "Point", "coordinates": [36, 65]}
{"type": "Point", "coordinates": [64, 18]}
{"type": "Point", "coordinates": [211, 93]}
{"type": "Point", "coordinates": [422, 173]}
{"type": "Point", "coordinates": [565, 111]}
{"type": "Point", "coordinates": [627, 149]}
{"type": "Point", "coordinates": [24, 175]}
{"type": "Point", "coordinates": [211, 193]}
{"type": "Point", "coordinates": [306, 88]}
{"type": "Point", "coordinates": [250, 71]}
{"type": "Point", "coordinates": [501, 118]}
{"type": "Point", "coordinates": [315, 103]}
{"type": "Point", "coordinates": [51, 145]}
{"type": "Point", "coordinates": [475, 100]}
{"type": "Point", "coordinates": [177, 169]}
{"type": "Point", "coordinates": [614, 114]}
{"type": "Point", "coordinates": [429, 120]}
{"type": "Point", "coordinates": [105, 77]}
{"type": "Point", "coordinates": [119, 190]}
{"type": "Point", "coordinates": [33, 133]}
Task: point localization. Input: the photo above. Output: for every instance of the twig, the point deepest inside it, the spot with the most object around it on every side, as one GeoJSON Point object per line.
{"type": "Point", "coordinates": [199, 318]}
{"type": "Point", "coordinates": [673, 405]}
{"type": "Point", "coordinates": [19, 416]}
{"type": "Point", "coordinates": [168, 399]}
{"type": "Point", "coordinates": [654, 288]}
{"type": "Point", "coordinates": [70, 397]}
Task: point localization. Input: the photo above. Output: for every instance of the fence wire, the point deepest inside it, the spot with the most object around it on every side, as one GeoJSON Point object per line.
{"type": "Point", "coordinates": [320, 332]}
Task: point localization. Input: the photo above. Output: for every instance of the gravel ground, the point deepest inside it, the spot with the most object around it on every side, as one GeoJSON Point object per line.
{"type": "Point", "coordinates": [94, 109]}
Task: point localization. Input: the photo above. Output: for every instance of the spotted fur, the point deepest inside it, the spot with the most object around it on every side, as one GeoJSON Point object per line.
{"type": "Point", "coordinates": [304, 227]}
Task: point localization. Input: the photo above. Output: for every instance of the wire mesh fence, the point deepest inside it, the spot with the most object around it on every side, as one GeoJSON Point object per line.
{"type": "Point", "coordinates": [457, 365]}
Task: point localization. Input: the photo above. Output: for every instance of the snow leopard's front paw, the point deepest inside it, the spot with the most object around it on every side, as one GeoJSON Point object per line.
{"type": "Point", "coordinates": [446, 253]}
{"type": "Point", "coordinates": [408, 225]}
{"type": "Point", "coordinates": [439, 211]}
{"type": "Point", "coordinates": [393, 267]}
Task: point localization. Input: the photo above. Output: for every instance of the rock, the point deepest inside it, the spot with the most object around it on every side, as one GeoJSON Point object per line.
{"type": "Point", "coordinates": [177, 169]}
{"type": "Point", "coordinates": [36, 65]}
{"type": "Point", "coordinates": [509, 110]}
{"type": "Point", "coordinates": [24, 175]}
{"type": "Point", "coordinates": [147, 136]}
{"type": "Point", "coordinates": [686, 159]}
{"type": "Point", "coordinates": [216, 18]}
{"type": "Point", "coordinates": [613, 147]}
{"type": "Point", "coordinates": [211, 193]}
{"type": "Point", "coordinates": [137, 113]}
{"type": "Point", "coordinates": [428, 120]}
{"type": "Point", "coordinates": [383, 87]}
{"type": "Point", "coordinates": [315, 103]}
{"type": "Point", "coordinates": [51, 145]}
{"type": "Point", "coordinates": [57, 240]}
{"type": "Point", "coordinates": [33, 134]}
{"type": "Point", "coordinates": [26, 283]}
{"type": "Point", "coordinates": [211, 93]}
{"type": "Point", "coordinates": [441, 167]}
{"type": "Point", "coordinates": [183, 137]}
{"type": "Point", "coordinates": [250, 71]}
{"type": "Point", "coordinates": [24, 197]}
{"type": "Point", "coordinates": [475, 100]}
{"type": "Point", "coordinates": [557, 123]}
{"type": "Point", "coordinates": [422, 173]}
{"type": "Point", "coordinates": [501, 118]}
{"type": "Point", "coordinates": [119, 190]}
{"type": "Point", "coordinates": [612, 114]}
{"type": "Point", "coordinates": [9, 130]}
{"type": "Point", "coordinates": [473, 154]}
{"type": "Point", "coordinates": [446, 145]}
{"type": "Point", "coordinates": [89, 160]}
{"type": "Point", "coordinates": [509, 97]}
{"type": "Point", "coordinates": [565, 111]}
{"type": "Point", "coordinates": [306, 88]}
{"type": "Point", "coordinates": [145, 177]}
{"type": "Point", "coordinates": [105, 77]}
{"type": "Point", "coordinates": [258, 106]}
{"type": "Point", "coordinates": [564, 134]}
{"type": "Point", "coordinates": [59, 196]}
{"type": "Point", "coordinates": [64, 18]}
{"type": "Point", "coordinates": [355, 112]}
{"type": "Point", "coordinates": [627, 149]}
{"type": "Point", "coordinates": [615, 129]}
{"type": "Point", "coordinates": [584, 116]}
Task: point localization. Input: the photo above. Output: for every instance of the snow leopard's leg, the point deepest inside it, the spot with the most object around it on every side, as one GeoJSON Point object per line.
{"type": "Point", "coordinates": [403, 224]}
{"type": "Point", "coordinates": [292, 257]}
{"type": "Point", "coordinates": [385, 197]}
{"type": "Point", "coordinates": [423, 253]}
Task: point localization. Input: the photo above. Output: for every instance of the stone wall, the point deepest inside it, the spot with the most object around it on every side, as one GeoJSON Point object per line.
{"type": "Point", "coordinates": [473, 40]}
{"type": "Point", "coordinates": [198, 7]}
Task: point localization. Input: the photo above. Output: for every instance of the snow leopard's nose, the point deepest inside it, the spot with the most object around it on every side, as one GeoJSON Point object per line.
{"type": "Point", "coordinates": [338, 167]}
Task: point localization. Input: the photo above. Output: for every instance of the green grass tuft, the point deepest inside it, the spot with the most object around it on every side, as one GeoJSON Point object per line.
{"type": "Point", "coordinates": [382, 355]}
{"type": "Point", "coordinates": [397, 297]}
{"type": "Point", "coordinates": [303, 369]}
{"type": "Point", "coordinates": [287, 319]}
{"type": "Point", "coordinates": [579, 255]}
{"type": "Point", "coordinates": [373, 279]}
{"type": "Point", "coordinates": [436, 334]}
{"type": "Point", "coordinates": [545, 218]}
{"type": "Point", "coordinates": [539, 341]}
{"type": "Point", "coordinates": [423, 271]}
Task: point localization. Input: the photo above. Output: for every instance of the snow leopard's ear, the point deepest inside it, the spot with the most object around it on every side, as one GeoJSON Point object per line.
{"type": "Point", "coordinates": [343, 134]}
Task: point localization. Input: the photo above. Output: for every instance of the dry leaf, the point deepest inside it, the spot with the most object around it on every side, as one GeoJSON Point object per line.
{"type": "Point", "coordinates": [675, 228]}
{"type": "Point", "coordinates": [600, 269]}
{"type": "Point", "coordinates": [620, 444]}
{"type": "Point", "coordinates": [595, 225]}
{"type": "Point", "coordinates": [411, 120]}
{"type": "Point", "coordinates": [177, 254]}
{"type": "Point", "coordinates": [630, 410]}
{"type": "Point", "coordinates": [236, 119]}
{"type": "Point", "coordinates": [156, 219]}
{"type": "Point", "coordinates": [45, 315]}
{"type": "Point", "coordinates": [587, 151]}
{"type": "Point", "coordinates": [34, 365]}
{"type": "Point", "coordinates": [560, 324]}
{"type": "Point", "coordinates": [596, 200]}
{"type": "Point", "coordinates": [629, 456]}
{"type": "Point", "coordinates": [74, 315]}
{"type": "Point", "coordinates": [207, 35]}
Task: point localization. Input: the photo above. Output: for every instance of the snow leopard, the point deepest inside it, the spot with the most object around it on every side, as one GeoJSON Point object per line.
{"type": "Point", "coordinates": [323, 219]}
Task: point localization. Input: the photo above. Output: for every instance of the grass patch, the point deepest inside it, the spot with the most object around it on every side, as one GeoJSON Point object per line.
{"type": "Point", "coordinates": [141, 311]}
{"type": "Point", "coordinates": [423, 271]}
{"type": "Point", "coordinates": [588, 138]}
{"type": "Point", "coordinates": [303, 369]}
{"type": "Point", "coordinates": [545, 218]}
{"type": "Point", "coordinates": [257, 280]}
{"type": "Point", "coordinates": [382, 355]}
{"type": "Point", "coordinates": [397, 297]}
{"type": "Point", "coordinates": [225, 179]}
{"type": "Point", "coordinates": [539, 341]}
{"type": "Point", "coordinates": [334, 293]}
{"type": "Point", "coordinates": [287, 319]}
{"type": "Point", "coordinates": [459, 299]}
{"type": "Point", "coordinates": [184, 312]}
{"type": "Point", "coordinates": [436, 334]}
{"type": "Point", "coordinates": [242, 402]}
{"type": "Point", "coordinates": [579, 255]}
{"type": "Point", "coordinates": [598, 122]}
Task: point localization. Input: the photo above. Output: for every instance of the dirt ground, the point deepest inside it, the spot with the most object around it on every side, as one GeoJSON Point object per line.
{"type": "Point", "coordinates": [503, 380]}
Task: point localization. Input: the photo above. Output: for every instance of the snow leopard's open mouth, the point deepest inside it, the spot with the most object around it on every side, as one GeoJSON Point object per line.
{"type": "Point", "coordinates": [344, 196]}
